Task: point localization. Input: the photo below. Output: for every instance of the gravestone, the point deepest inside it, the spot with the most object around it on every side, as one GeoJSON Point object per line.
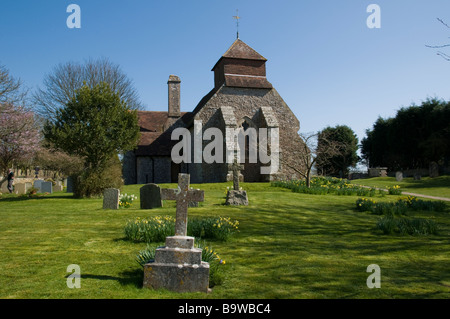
{"type": "Point", "coordinates": [236, 196]}
{"type": "Point", "coordinates": [178, 266]}
{"type": "Point", "coordinates": [434, 170]}
{"type": "Point", "coordinates": [417, 177]}
{"type": "Point", "coordinates": [37, 184]}
{"type": "Point", "coordinates": [20, 189]}
{"type": "Point", "coordinates": [69, 185]}
{"type": "Point", "coordinates": [58, 188]}
{"type": "Point", "coordinates": [150, 196]}
{"type": "Point", "coordinates": [399, 176]}
{"type": "Point", "coordinates": [47, 187]}
{"type": "Point", "coordinates": [28, 186]}
{"type": "Point", "coordinates": [111, 198]}
{"type": "Point", "coordinates": [4, 187]}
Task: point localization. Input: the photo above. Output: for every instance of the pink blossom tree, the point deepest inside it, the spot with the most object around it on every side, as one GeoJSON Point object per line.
{"type": "Point", "coordinates": [19, 137]}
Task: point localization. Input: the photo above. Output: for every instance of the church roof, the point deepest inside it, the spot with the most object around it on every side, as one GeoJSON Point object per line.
{"type": "Point", "coordinates": [242, 51]}
{"type": "Point", "coordinates": [154, 140]}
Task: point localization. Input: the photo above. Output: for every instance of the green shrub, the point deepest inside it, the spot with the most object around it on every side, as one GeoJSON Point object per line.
{"type": "Point", "coordinates": [125, 200]}
{"type": "Point", "coordinates": [326, 185]}
{"type": "Point", "coordinates": [394, 190]}
{"type": "Point", "coordinates": [365, 205]}
{"type": "Point", "coordinates": [93, 181]}
{"type": "Point", "coordinates": [146, 256]}
{"type": "Point", "coordinates": [404, 226]}
{"type": "Point", "coordinates": [391, 209]}
{"type": "Point", "coordinates": [417, 204]}
{"type": "Point", "coordinates": [153, 229]}
{"type": "Point", "coordinates": [218, 228]}
{"type": "Point", "coordinates": [401, 207]}
{"type": "Point", "coordinates": [156, 229]}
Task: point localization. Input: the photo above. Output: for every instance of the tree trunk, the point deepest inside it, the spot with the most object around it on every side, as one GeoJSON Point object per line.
{"type": "Point", "coordinates": [308, 178]}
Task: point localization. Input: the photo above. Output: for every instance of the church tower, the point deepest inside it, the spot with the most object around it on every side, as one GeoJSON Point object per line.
{"type": "Point", "coordinates": [241, 66]}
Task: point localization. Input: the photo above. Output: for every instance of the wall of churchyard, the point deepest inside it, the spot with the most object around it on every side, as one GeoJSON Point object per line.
{"type": "Point", "coordinates": [246, 103]}
{"type": "Point", "coordinates": [153, 169]}
{"type": "Point", "coordinates": [129, 168]}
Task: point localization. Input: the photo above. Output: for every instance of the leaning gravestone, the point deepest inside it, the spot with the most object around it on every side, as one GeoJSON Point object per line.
{"type": "Point", "coordinates": [47, 187]}
{"type": "Point", "coordinates": [150, 196]}
{"type": "Point", "coordinates": [111, 198]}
{"type": "Point", "coordinates": [434, 170]}
{"type": "Point", "coordinates": [399, 176]}
{"type": "Point", "coordinates": [178, 266]}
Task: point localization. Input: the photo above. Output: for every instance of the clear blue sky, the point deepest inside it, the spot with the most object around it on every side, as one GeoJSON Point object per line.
{"type": "Point", "coordinates": [325, 62]}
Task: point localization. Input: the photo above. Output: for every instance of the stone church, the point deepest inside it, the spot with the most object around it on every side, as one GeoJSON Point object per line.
{"type": "Point", "coordinates": [242, 97]}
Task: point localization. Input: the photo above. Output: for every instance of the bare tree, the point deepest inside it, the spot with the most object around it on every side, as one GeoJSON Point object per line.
{"type": "Point", "coordinates": [308, 152]}
{"type": "Point", "coordinates": [440, 53]}
{"type": "Point", "coordinates": [60, 85]}
{"type": "Point", "coordinates": [11, 89]}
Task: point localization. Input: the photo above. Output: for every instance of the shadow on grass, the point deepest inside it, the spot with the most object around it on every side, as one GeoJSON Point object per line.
{"type": "Point", "coordinates": [129, 277]}
{"type": "Point", "coordinates": [25, 198]}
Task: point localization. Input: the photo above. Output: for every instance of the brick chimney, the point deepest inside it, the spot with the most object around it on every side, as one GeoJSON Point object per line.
{"type": "Point", "coordinates": [174, 96]}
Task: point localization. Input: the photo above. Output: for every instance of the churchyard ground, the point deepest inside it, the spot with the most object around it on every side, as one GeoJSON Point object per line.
{"type": "Point", "coordinates": [289, 245]}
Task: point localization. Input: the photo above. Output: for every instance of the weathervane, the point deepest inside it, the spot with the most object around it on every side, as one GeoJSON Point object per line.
{"type": "Point", "coordinates": [237, 17]}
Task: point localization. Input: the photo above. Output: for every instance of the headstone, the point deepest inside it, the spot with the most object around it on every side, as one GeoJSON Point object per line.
{"type": "Point", "coordinates": [28, 186]}
{"type": "Point", "coordinates": [47, 187]}
{"type": "Point", "coordinates": [4, 187]}
{"type": "Point", "coordinates": [236, 196]}
{"type": "Point", "coordinates": [378, 172]}
{"type": "Point", "coordinates": [111, 198]}
{"type": "Point", "coordinates": [399, 176]}
{"type": "Point", "coordinates": [37, 184]}
{"type": "Point", "coordinates": [434, 170]}
{"type": "Point", "coordinates": [178, 266]}
{"type": "Point", "coordinates": [20, 189]}
{"type": "Point", "coordinates": [58, 188]}
{"type": "Point", "coordinates": [417, 177]}
{"type": "Point", "coordinates": [150, 196]}
{"type": "Point", "coordinates": [69, 185]}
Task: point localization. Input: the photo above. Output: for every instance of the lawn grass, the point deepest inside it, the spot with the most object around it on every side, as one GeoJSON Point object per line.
{"type": "Point", "coordinates": [439, 186]}
{"type": "Point", "coordinates": [290, 245]}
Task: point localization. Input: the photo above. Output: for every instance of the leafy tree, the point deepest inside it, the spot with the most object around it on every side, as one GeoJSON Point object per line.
{"type": "Point", "coordinates": [415, 137]}
{"type": "Point", "coordinates": [65, 79]}
{"type": "Point", "coordinates": [19, 136]}
{"type": "Point", "coordinates": [346, 153]}
{"type": "Point", "coordinates": [95, 125]}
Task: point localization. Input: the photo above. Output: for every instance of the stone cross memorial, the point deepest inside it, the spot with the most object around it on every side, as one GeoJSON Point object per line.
{"type": "Point", "coordinates": [183, 195]}
{"type": "Point", "coordinates": [236, 196]}
{"type": "Point", "coordinates": [178, 266]}
{"type": "Point", "coordinates": [236, 168]}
